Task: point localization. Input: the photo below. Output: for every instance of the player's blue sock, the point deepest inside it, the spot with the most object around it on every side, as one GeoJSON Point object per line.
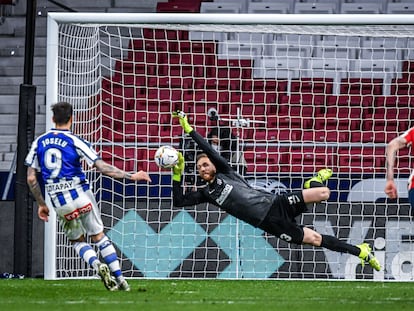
{"type": "Point", "coordinates": [85, 251]}
{"type": "Point", "coordinates": [110, 257]}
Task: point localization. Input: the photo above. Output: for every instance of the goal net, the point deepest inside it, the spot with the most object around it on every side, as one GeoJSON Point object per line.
{"type": "Point", "coordinates": [286, 99]}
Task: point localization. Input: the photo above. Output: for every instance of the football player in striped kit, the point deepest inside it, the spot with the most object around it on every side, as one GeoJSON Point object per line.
{"type": "Point", "coordinates": [58, 155]}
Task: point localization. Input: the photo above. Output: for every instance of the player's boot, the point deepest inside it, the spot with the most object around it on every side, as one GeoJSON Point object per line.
{"type": "Point", "coordinates": [123, 285]}
{"type": "Point", "coordinates": [322, 176]}
{"type": "Point", "coordinates": [367, 257]}
{"type": "Point", "coordinates": [106, 277]}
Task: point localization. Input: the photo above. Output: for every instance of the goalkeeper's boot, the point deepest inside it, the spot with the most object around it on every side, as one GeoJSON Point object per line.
{"type": "Point", "coordinates": [322, 176]}
{"type": "Point", "coordinates": [123, 285]}
{"type": "Point", "coordinates": [106, 277]}
{"type": "Point", "coordinates": [367, 257]}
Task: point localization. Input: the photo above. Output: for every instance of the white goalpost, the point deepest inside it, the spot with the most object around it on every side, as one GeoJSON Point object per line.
{"type": "Point", "coordinates": [291, 94]}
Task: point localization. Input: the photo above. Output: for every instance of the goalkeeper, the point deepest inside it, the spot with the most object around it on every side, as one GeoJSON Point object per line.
{"type": "Point", "coordinates": [273, 213]}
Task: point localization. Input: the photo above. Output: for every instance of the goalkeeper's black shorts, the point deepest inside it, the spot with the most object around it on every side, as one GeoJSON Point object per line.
{"type": "Point", "coordinates": [280, 221]}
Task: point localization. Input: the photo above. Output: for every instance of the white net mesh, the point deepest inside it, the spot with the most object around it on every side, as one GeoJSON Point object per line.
{"type": "Point", "coordinates": [287, 100]}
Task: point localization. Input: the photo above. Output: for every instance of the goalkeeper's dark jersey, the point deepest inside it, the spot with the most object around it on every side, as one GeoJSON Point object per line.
{"type": "Point", "coordinates": [229, 190]}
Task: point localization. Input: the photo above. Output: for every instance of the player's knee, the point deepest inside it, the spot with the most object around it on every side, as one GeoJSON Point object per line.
{"type": "Point", "coordinates": [97, 237]}
{"type": "Point", "coordinates": [31, 179]}
{"type": "Point", "coordinates": [80, 239]}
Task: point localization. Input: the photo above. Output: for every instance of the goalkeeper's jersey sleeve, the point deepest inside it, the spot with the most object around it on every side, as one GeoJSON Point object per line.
{"type": "Point", "coordinates": [229, 190]}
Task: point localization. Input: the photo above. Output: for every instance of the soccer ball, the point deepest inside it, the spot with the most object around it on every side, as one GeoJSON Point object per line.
{"type": "Point", "coordinates": [166, 157]}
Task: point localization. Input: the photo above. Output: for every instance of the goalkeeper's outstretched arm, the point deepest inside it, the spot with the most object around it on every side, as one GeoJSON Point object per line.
{"type": "Point", "coordinates": [220, 162]}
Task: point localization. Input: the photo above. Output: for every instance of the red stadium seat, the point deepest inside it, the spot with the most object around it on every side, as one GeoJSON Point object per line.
{"type": "Point", "coordinates": [292, 122]}
{"type": "Point", "coordinates": [201, 83]}
{"type": "Point", "coordinates": [207, 95]}
{"type": "Point", "coordinates": [388, 119]}
{"type": "Point", "coordinates": [234, 68]}
{"type": "Point", "coordinates": [403, 101]}
{"type": "Point", "coordinates": [312, 86]}
{"type": "Point", "coordinates": [166, 34]}
{"type": "Point", "coordinates": [284, 135]}
{"type": "Point", "coordinates": [179, 6]}
{"type": "Point", "coordinates": [326, 136]}
{"type": "Point", "coordinates": [393, 101]}
{"type": "Point", "coordinates": [350, 100]}
{"type": "Point", "coordinates": [145, 160]}
{"type": "Point", "coordinates": [407, 67]}
{"type": "Point", "coordinates": [362, 86]}
{"type": "Point", "coordinates": [386, 101]}
{"type": "Point", "coordinates": [264, 97]}
{"type": "Point", "coordinates": [267, 86]}
{"type": "Point", "coordinates": [402, 86]}
{"type": "Point", "coordinates": [144, 57]}
{"type": "Point", "coordinates": [339, 124]}
{"type": "Point", "coordinates": [362, 159]}
{"type": "Point", "coordinates": [343, 112]}
{"type": "Point", "coordinates": [122, 157]}
{"type": "Point", "coordinates": [110, 111]}
{"type": "Point", "coordinates": [308, 159]}
{"type": "Point", "coordinates": [128, 66]}
{"type": "Point", "coordinates": [316, 100]}
{"type": "Point", "coordinates": [261, 160]}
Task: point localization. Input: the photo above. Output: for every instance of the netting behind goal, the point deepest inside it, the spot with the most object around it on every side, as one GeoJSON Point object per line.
{"type": "Point", "coordinates": [287, 100]}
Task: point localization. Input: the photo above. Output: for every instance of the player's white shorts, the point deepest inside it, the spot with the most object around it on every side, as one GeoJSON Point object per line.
{"type": "Point", "coordinates": [80, 216]}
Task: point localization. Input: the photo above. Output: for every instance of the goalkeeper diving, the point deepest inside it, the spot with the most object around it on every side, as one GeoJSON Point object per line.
{"type": "Point", "coordinates": [273, 213]}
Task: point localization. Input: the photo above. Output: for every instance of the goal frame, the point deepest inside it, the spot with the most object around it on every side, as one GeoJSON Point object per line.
{"type": "Point", "coordinates": [153, 18]}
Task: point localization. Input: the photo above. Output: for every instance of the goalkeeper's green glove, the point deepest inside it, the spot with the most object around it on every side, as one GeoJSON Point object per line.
{"type": "Point", "coordinates": [178, 169]}
{"type": "Point", "coordinates": [183, 121]}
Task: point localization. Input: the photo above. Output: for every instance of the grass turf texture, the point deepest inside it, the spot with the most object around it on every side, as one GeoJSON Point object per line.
{"type": "Point", "coordinates": [38, 294]}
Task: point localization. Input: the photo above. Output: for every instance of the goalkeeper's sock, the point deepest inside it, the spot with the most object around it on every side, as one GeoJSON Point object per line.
{"type": "Point", "coordinates": [86, 252]}
{"type": "Point", "coordinates": [109, 255]}
{"type": "Point", "coordinates": [334, 244]}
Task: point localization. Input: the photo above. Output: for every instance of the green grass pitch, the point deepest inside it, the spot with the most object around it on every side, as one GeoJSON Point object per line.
{"type": "Point", "coordinates": [38, 294]}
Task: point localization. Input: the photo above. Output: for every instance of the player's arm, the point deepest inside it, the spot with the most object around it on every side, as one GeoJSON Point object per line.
{"type": "Point", "coordinates": [220, 162]}
{"type": "Point", "coordinates": [112, 171]}
{"type": "Point", "coordinates": [33, 183]}
{"type": "Point", "coordinates": [390, 157]}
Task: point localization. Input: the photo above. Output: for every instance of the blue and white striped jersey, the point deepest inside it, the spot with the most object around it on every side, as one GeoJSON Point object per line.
{"type": "Point", "coordinates": [57, 154]}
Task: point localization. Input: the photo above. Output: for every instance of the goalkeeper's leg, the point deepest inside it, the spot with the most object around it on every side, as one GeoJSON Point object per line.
{"type": "Point", "coordinates": [362, 251]}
